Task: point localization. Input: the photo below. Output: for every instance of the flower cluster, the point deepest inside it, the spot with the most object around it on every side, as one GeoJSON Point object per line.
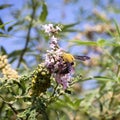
{"type": "Point", "coordinates": [41, 78]}
{"type": "Point", "coordinates": [56, 59]}
{"type": "Point", "coordinates": [7, 71]}
{"type": "Point", "coordinates": [50, 29]}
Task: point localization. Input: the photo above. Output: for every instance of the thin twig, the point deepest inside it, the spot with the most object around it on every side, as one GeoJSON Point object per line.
{"type": "Point", "coordinates": [28, 34]}
{"type": "Point", "coordinates": [54, 90]}
{"type": "Point", "coordinates": [52, 96]}
{"type": "Point", "coordinates": [1, 107]}
{"type": "Point", "coordinates": [9, 104]}
{"type": "Point", "coordinates": [12, 108]}
{"type": "Point", "coordinates": [112, 99]}
{"type": "Point", "coordinates": [118, 71]}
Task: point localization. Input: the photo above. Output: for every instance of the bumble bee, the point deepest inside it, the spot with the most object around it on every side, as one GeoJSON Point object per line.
{"type": "Point", "coordinates": [68, 57]}
{"type": "Point", "coordinates": [69, 60]}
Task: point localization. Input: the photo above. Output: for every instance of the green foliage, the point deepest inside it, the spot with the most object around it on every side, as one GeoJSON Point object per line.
{"type": "Point", "coordinates": [44, 13]}
{"type": "Point", "coordinates": [5, 6]}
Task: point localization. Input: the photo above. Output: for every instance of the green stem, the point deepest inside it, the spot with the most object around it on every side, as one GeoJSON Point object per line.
{"type": "Point", "coordinates": [28, 33]}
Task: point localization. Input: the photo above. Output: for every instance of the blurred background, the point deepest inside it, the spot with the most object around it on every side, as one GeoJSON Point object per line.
{"type": "Point", "coordinates": [83, 14]}
{"type": "Point", "coordinates": [89, 27]}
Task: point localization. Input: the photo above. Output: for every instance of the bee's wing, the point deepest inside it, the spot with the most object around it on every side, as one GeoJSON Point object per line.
{"type": "Point", "coordinates": [83, 58]}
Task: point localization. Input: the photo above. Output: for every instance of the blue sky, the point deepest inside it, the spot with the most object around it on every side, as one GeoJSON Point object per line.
{"type": "Point", "coordinates": [58, 12]}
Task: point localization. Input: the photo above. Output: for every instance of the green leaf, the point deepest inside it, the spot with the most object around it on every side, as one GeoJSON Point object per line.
{"type": "Point", "coordinates": [33, 115]}
{"type": "Point", "coordinates": [15, 53]}
{"type": "Point", "coordinates": [68, 27]}
{"type": "Point", "coordinates": [20, 85]}
{"type": "Point", "coordinates": [24, 113]}
{"type": "Point", "coordinates": [13, 59]}
{"type": "Point", "coordinates": [3, 51]}
{"type": "Point", "coordinates": [5, 6]}
{"type": "Point", "coordinates": [44, 13]}
{"type": "Point", "coordinates": [77, 103]}
{"type": "Point", "coordinates": [116, 50]}
{"type": "Point", "coordinates": [2, 34]}
{"type": "Point", "coordinates": [101, 42]}
{"type": "Point", "coordinates": [89, 43]}
{"type": "Point", "coordinates": [99, 78]}
{"type": "Point", "coordinates": [102, 79]}
{"type": "Point", "coordinates": [117, 28]}
{"type": "Point", "coordinates": [10, 28]}
{"type": "Point", "coordinates": [2, 25]}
